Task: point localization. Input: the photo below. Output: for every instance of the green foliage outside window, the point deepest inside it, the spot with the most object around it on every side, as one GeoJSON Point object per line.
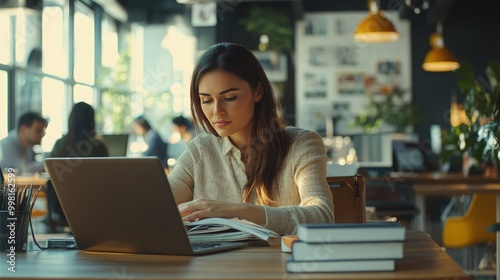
{"type": "Point", "coordinates": [114, 114]}
{"type": "Point", "coordinates": [273, 23]}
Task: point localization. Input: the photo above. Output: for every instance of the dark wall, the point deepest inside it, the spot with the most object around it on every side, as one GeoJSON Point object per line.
{"type": "Point", "coordinates": [470, 32]}
{"type": "Point", "coordinates": [231, 29]}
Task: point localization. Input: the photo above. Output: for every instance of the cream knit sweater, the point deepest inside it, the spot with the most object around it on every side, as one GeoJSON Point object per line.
{"type": "Point", "coordinates": [211, 167]}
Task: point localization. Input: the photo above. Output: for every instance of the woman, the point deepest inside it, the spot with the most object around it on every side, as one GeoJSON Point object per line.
{"type": "Point", "coordinates": [81, 139]}
{"type": "Point", "coordinates": [247, 165]}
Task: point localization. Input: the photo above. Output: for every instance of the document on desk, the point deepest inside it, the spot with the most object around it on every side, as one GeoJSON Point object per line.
{"type": "Point", "coordinates": [220, 229]}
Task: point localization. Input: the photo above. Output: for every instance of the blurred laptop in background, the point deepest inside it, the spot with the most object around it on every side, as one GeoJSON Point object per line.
{"type": "Point", "coordinates": [117, 144]}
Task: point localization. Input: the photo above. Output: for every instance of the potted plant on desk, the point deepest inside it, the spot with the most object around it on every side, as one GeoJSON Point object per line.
{"type": "Point", "coordinates": [477, 138]}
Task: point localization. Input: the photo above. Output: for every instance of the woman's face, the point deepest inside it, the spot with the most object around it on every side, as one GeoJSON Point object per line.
{"type": "Point", "coordinates": [228, 103]}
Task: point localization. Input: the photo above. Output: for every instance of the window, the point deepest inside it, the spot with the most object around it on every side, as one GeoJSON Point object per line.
{"type": "Point", "coordinates": [84, 44]}
{"type": "Point", "coordinates": [4, 108]}
{"type": "Point", "coordinates": [85, 94]}
{"type": "Point", "coordinates": [28, 92]}
{"type": "Point", "coordinates": [5, 35]}
{"type": "Point", "coordinates": [109, 56]}
{"type": "Point", "coordinates": [54, 44]}
{"type": "Point", "coordinates": [54, 106]}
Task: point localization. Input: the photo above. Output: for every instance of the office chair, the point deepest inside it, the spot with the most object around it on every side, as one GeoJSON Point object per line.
{"type": "Point", "coordinates": [349, 198]}
{"type": "Point", "coordinates": [470, 229]}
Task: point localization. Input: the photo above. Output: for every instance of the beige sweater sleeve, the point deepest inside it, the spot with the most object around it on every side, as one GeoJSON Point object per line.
{"type": "Point", "coordinates": [304, 192]}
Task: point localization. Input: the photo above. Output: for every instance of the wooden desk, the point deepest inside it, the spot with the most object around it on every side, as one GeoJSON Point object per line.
{"type": "Point", "coordinates": [433, 184]}
{"type": "Point", "coordinates": [423, 259]}
{"type": "Point", "coordinates": [36, 181]}
{"type": "Point", "coordinates": [28, 180]}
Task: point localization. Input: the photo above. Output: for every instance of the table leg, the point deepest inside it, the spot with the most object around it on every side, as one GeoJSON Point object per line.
{"type": "Point", "coordinates": [419, 220]}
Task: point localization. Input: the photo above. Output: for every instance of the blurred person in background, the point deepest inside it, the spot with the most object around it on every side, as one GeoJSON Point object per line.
{"type": "Point", "coordinates": [16, 150]}
{"type": "Point", "coordinates": [182, 133]}
{"type": "Point", "coordinates": [155, 144]}
{"type": "Point", "coordinates": [184, 127]}
{"type": "Point", "coordinates": [81, 139]}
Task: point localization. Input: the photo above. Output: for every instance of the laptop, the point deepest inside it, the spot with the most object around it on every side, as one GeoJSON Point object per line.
{"type": "Point", "coordinates": [117, 144]}
{"type": "Point", "coordinates": [124, 205]}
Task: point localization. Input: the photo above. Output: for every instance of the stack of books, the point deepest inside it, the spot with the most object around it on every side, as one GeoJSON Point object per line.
{"type": "Point", "coordinates": [347, 247]}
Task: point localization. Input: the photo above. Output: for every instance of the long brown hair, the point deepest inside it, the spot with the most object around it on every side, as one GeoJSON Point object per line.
{"type": "Point", "coordinates": [270, 142]}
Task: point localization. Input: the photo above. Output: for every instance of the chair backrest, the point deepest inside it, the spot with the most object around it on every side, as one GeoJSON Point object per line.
{"type": "Point", "coordinates": [349, 198]}
{"type": "Point", "coordinates": [471, 228]}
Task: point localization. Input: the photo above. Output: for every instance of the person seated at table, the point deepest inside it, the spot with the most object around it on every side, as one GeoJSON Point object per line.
{"type": "Point", "coordinates": [184, 127]}
{"type": "Point", "coordinates": [183, 132]}
{"type": "Point", "coordinates": [247, 164]}
{"type": "Point", "coordinates": [155, 144]}
{"type": "Point", "coordinates": [82, 139]}
{"type": "Point", "coordinates": [16, 150]}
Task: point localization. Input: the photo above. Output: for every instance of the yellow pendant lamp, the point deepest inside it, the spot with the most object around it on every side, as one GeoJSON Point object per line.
{"type": "Point", "coordinates": [439, 58]}
{"type": "Point", "coordinates": [375, 28]}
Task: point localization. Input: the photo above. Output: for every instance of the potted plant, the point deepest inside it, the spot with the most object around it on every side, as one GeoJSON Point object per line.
{"type": "Point", "coordinates": [390, 108]}
{"type": "Point", "coordinates": [478, 137]}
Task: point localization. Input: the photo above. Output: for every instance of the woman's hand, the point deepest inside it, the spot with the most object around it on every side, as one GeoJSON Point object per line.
{"type": "Point", "coordinates": [203, 208]}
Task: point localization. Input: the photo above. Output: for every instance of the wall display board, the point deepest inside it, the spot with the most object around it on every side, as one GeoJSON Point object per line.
{"type": "Point", "coordinates": [335, 76]}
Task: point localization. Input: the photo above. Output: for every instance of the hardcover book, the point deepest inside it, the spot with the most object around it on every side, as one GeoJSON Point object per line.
{"type": "Point", "coordinates": [328, 233]}
{"type": "Point", "coordinates": [302, 251]}
{"type": "Point", "coordinates": [339, 266]}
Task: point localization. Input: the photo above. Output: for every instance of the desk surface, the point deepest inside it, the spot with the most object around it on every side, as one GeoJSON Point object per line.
{"type": "Point", "coordinates": [423, 259]}
{"type": "Point", "coordinates": [36, 180]}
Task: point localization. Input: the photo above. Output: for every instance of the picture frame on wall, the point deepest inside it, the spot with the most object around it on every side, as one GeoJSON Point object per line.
{"type": "Point", "coordinates": [320, 56]}
{"type": "Point", "coordinates": [388, 76]}
{"type": "Point", "coordinates": [351, 83]}
{"type": "Point", "coordinates": [317, 26]}
{"type": "Point", "coordinates": [315, 85]}
{"type": "Point", "coordinates": [347, 55]}
{"type": "Point", "coordinates": [316, 119]}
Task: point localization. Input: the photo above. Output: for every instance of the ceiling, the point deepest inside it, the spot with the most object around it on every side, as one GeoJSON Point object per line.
{"type": "Point", "coordinates": [155, 11]}
{"type": "Point", "coordinates": [151, 11]}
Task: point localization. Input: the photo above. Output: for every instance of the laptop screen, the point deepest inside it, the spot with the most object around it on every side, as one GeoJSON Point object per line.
{"type": "Point", "coordinates": [117, 144]}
